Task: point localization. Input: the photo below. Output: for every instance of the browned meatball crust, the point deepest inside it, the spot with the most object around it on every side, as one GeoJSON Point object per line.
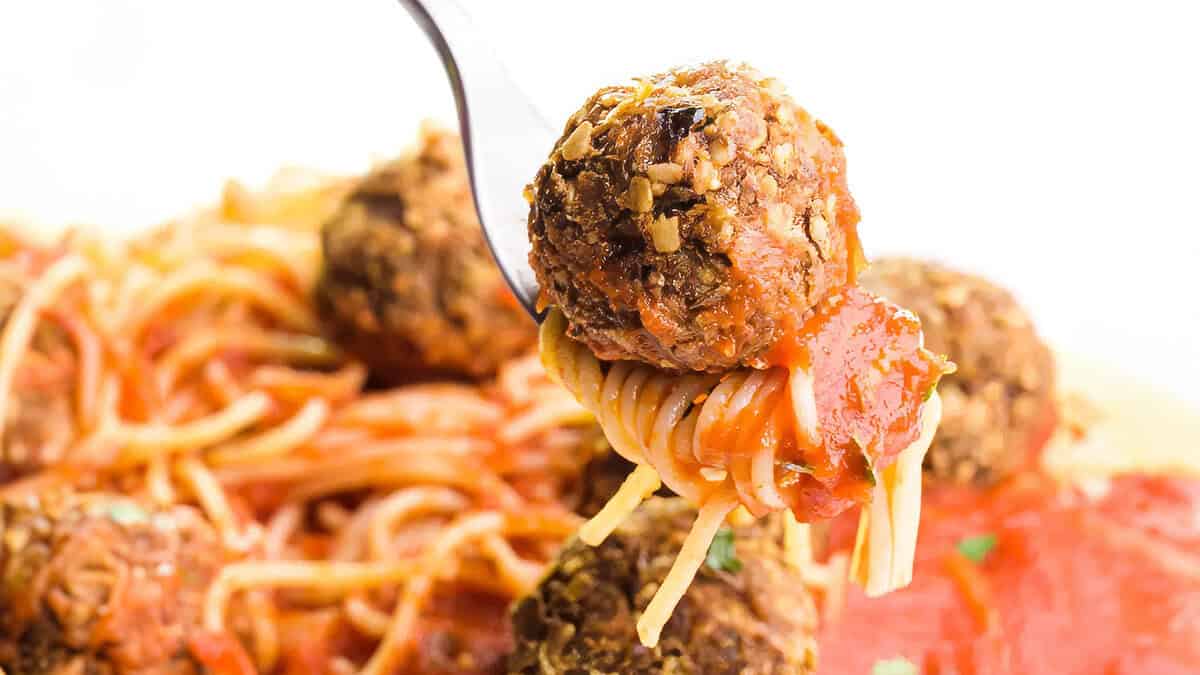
{"type": "Point", "coordinates": [409, 285]}
{"type": "Point", "coordinates": [759, 620]}
{"type": "Point", "coordinates": [685, 219]}
{"type": "Point", "coordinates": [998, 407]}
{"type": "Point", "coordinates": [99, 585]}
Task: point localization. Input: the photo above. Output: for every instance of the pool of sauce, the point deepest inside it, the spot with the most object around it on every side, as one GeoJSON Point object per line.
{"type": "Point", "coordinates": [1104, 582]}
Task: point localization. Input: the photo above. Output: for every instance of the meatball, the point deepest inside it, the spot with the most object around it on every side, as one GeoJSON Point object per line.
{"type": "Point", "coordinates": [687, 219]}
{"type": "Point", "coordinates": [409, 285]}
{"type": "Point", "coordinates": [758, 620]}
{"type": "Point", "coordinates": [998, 408]}
{"type": "Point", "coordinates": [100, 585]}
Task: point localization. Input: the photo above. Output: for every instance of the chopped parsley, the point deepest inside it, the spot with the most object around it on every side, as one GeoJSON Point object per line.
{"type": "Point", "coordinates": [896, 666]}
{"type": "Point", "coordinates": [721, 556]}
{"type": "Point", "coordinates": [977, 548]}
{"type": "Point", "coordinates": [869, 465]}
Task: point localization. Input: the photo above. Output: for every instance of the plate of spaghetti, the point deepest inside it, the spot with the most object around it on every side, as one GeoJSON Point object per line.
{"type": "Point", "coordinates": [309, 430]}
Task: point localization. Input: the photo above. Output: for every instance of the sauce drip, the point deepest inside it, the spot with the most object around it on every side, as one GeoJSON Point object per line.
{"type": "Point", "coordinates": [870, 376]}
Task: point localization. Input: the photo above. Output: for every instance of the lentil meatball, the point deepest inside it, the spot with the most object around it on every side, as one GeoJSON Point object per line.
{"type": "Point", "coordinates": [100, 585]}
{"type": "Point", "coordinates": [997, 408]}
{"type": "Point", "coordinates": [686, 219]}
{"type": "Point", "coordinates": [759, 620]}
{"type": "Point", "coordinates": [409, 285]}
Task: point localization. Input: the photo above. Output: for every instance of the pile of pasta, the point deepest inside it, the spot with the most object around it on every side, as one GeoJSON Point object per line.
{"type": "Point", "coordinates": [196, 372]}
{"type": "Point", "coordinates": [727, 442]}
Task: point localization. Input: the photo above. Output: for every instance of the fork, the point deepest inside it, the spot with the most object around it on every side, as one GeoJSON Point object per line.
{"type": "Point", "coordinates": [505, 138]}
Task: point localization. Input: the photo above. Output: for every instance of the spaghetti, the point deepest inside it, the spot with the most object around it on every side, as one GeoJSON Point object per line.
{"type": "Point", "coordinates": [695, 239]}
{"type": "Point", "coordinates": [190, 361]}
{"type": "Point", "coordinates": [772, 439]}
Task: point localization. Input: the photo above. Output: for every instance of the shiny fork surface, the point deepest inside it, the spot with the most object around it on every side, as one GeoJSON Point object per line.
{"type": "Point", "coordinates": [504, 136]}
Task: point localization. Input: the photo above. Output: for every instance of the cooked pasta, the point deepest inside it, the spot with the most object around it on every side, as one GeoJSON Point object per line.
{"type": "Point", "coordinates": [193, 371]}
{"type": "Point", "coordinates": [721, 441]}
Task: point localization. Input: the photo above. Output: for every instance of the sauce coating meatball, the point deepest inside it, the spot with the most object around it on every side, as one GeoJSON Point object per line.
{"type": "Point", "coordinates": [99, 584]}
{"type": "Point", "coordinates": [757, 620]}
{"type": "Point", "coordinates": [997, 409]}
{"type": "Point", "coordinates": [684, 219]}
{"type": "Point", "coordinates": [409, 285]}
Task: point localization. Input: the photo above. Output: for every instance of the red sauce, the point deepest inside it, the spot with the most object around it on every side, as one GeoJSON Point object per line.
{"type": "Point", "coordinates": [221, 654]}
{"type": "Point", "coordinates": [462, 631]}
{"type": "Point", "coordinates": [310, 640]}
{"type": "Point", "coordinates": [870, 378]}
{"type": "Point", "coordinates": [1072, 586]}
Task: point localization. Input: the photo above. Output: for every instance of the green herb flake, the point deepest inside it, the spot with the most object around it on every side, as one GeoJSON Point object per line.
{"type": "Point", "coordinates": [126, 513]}
{"type": "Point", "coordinates": [867, 462]}
{"type": "Point", "coordinates": [721, 556]}
{"type": "Point", "coordinates": [977, 548]}
{"type": "Point", "coordinates": [896, 666]}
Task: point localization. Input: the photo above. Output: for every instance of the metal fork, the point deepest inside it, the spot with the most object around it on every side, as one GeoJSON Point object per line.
{"type": "Point", "coordinates": [506, 139]}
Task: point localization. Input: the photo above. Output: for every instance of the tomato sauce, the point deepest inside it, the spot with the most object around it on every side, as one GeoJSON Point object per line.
{"type": "Point", "coordinates": [462, 632]}
{"type": "Point", "coordinates": [870, 377]}
{"type": "Point", "coordinates": [1108, 585]}
{"type": "Point", "coordinates": [221, 654]}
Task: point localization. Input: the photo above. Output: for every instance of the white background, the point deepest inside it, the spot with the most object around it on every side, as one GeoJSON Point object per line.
{"type": "Point", "coordinates": [1051, 146]}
